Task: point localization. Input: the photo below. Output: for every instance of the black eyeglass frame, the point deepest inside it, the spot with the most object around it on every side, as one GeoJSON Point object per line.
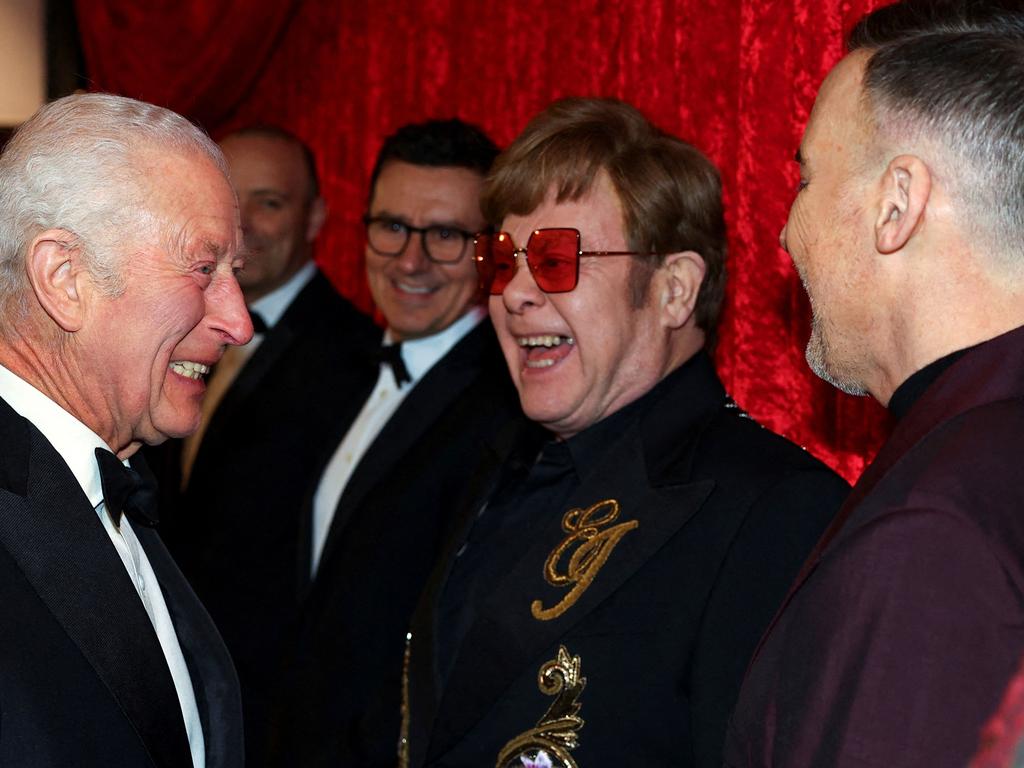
{"type": "Point", "coordinates": [580, 253]}
{"type": "Point", "coordinates": [410, 230]}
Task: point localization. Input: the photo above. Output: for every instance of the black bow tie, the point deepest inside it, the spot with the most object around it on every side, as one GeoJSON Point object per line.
{"type": "Point", "coordinates": [127, 490]}
{"type": "Point", "coordinates": [391, 354]}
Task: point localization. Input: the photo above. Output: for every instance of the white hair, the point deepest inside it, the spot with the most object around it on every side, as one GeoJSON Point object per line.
{"type": "Point", "coordinates": [75, 165]}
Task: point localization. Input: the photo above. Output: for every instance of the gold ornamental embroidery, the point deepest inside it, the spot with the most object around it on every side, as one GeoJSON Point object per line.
{"type": "Point", "coordinates": [592, 549]}
{"type": "Point", "coordinates": [549, 744]}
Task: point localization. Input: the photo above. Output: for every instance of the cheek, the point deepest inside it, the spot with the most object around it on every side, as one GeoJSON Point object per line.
{"type": "Point", "coordinates": [509, 347]}
{"type": "Point", "coordinates": [462, 277]}
{"type": "Point", "coordinates": [798, 233]}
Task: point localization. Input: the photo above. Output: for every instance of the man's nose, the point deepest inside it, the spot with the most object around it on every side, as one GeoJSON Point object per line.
{"type": "Point", "coordinates": [227, 312]}
{"type": "Point", "coordinates": [522, 290]}
{"type": "Point", "coordinates": [414, 257]}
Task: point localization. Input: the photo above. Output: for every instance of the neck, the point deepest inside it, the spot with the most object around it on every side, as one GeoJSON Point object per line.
{"type": "Point", "coordinates": [58, 376]}
{"type": "Point", "coordinates": [932, 324]}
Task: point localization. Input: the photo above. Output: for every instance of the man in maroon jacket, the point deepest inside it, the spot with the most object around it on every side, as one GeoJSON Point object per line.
{"type": "Point", "coordinates": [898, 637]}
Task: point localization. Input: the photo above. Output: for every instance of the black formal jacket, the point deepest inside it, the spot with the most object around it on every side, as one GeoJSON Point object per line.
{"type": "Point", "coordinates": [235, 531]}
{"type": "Point", "coordinates": [897, 641]}
{"type": "Point", "coordinates": [83, 680]}
{"type": "Point", "coordinates": [389, 526]}
{"type": "Point", "coordinates": [715, 516]}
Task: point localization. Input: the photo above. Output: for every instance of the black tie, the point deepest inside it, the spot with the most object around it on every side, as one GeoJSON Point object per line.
{"type": "Point", "coordinates": [391, 354]}
{"type": "Point", "coordinates": [126, 490]}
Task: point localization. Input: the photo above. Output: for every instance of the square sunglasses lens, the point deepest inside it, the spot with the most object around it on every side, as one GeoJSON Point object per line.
{"type": "Point", "coordinates": [495, 262]}
{"type": "Point", "coordinates": [553, 256]}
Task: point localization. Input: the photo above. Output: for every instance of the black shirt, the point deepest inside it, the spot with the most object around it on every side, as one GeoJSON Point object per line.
{"type": "Point", "coordinates": [910, 391]}
{"type": "Point", "coordinates": [529, 497]}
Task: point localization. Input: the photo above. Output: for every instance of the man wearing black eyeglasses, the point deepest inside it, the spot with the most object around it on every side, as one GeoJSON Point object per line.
{"type": "Point", "coordinates": [386, 487]}
{"type": "Point", "coordinates": [600, 608]}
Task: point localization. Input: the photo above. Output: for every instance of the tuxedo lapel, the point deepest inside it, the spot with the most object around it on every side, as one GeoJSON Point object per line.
{"type": "Point", "coordinates": [55, 538]}
{"type": "Point", "coordinates": [214, 681]}
{"type": "Point", "coordinates": [511, 449]}
{"type": "Point", "coordinates": [507, 640]}
{"type": "Point", "coordinates": [439, 388]}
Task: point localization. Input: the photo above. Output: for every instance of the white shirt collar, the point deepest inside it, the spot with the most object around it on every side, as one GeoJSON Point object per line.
{"type": "Point", "coordinates": [420, 355]}
{"type": "Point", "coordinates": [274, 304]}
{"type": "Point", "coordinates": [74, 441]}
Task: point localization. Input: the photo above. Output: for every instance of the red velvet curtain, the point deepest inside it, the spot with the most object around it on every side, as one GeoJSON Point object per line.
{"type": "Point", "coordinates": [735, 77]}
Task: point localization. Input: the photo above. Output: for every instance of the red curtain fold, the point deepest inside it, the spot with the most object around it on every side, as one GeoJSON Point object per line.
{"type": "Point", "coordinates": [735, 77]}
{"type": "Point", "coordinates": [198, 58]}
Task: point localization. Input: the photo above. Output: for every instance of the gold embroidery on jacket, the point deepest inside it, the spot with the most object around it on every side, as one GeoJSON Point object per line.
{"type": "Point", "coordinates": [592, 548]}
{"type": "Point", "coordinates": [556, 732]}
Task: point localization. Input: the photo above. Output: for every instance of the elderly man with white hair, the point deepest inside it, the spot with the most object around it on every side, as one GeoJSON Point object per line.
{"type": "Point", "coordinates": [119, 242]}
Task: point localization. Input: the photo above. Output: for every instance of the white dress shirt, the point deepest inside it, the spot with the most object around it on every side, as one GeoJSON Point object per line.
{"type": "Point", "coordinates": [76, 444]}
{"type": "Point", "coordinates": [419, 356]}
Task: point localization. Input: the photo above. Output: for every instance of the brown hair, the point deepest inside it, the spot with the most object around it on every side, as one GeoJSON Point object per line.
{"type": "Point", "coordinates": [671, 195]}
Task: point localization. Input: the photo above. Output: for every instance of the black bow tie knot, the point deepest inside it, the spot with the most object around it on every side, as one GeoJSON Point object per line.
{"type": "Point", "coordinates": [127, 490]}
{"type": "Point", "coordinates": [391, 354]}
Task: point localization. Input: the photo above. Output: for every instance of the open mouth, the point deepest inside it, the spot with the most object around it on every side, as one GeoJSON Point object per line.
{"type": "Point", "coordinates": [416, 290]}
{"type": "Point", "coordinates": [546, 350]}
{"type": "Point", "coordinates": [189, 369]}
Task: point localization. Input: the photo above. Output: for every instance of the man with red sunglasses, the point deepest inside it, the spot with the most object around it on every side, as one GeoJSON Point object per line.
{"type": "Point", "coordinates": [600, 608]}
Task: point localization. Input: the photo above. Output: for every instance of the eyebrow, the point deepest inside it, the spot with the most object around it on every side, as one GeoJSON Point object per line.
{"type": "Point", "coordinates": [214, 249]}
{"type": "Point", "coordinates": [444, 224]}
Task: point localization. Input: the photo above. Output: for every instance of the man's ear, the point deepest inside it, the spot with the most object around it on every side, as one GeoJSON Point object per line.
{"type": "Point", "coordinates": [55, 271]}
{"type": "Point", "coordinates": [317, 217]}
{"type": "Point", "coordinates": [905, 188]}
{"type": "Point", "coordinates": [682, 275]}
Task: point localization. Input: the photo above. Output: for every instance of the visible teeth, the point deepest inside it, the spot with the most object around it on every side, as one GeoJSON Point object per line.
{"type": "Point", "coordinates": [189, 370]}
{"type": "Point", "coordinates": [415, 288]}
{"type": "Point", "coordinates": [539, 363]}
{"type": "Point", "coordinates": [545, 341]}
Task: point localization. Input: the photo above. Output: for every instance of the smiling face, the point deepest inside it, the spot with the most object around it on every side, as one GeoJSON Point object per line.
{"type": "Point", "coordinates": [578, 357]}
{"type": "Point", "coordinates": [280, 214]}
{"type": "Point", "coordinates": [417, 296]}
{"type": "Point", "coordinates": [830, 229]}
{"type": "Point", "coordinates": [146, 350]}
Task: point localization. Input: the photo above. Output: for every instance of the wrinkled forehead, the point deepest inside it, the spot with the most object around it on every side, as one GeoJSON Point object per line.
{"type": "Point", "coordinates": [186, 198]}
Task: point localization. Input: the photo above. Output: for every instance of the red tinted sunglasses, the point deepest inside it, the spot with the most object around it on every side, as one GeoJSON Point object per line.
{"type": "Point", "coordinates": [553, 256]}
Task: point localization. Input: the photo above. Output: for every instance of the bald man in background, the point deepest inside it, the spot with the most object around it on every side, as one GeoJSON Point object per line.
{"type": "Point", "coordinates": [233, 491]}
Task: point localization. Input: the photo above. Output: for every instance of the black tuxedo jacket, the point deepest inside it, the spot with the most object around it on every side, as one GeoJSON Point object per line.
{"type": "Point", "coordinates": [896, 644]}
{"type": "Point", "coordinates": [83, 681]}
{"type": "Point", "coordinates": [718, 514]}
{"type": "Point", "coordinates": [385, 536]}
{"type": "Point", "coordinates": [236, 528]}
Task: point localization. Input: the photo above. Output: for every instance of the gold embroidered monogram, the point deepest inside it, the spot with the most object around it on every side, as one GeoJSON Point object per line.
{"type": "Point", "coordinates": [590, 546]}
{"type": "Point", "coordinates": [549, 744]}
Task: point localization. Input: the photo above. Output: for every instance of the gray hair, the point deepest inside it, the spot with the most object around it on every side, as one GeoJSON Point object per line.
{"type": "Point", "coordinates": [949, 75]}
{"type": "Point", "coordinates": [74, 165]}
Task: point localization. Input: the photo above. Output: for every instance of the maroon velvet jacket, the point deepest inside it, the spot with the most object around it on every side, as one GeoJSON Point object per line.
{"type": "Point", "coordinates": [899, 636]}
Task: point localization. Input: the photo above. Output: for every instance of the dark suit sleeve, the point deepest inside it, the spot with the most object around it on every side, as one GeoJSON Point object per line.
{"type": "Point", "coordinates": [892, 605]}
{"type": "Point", "coordinates": [781, 527]}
